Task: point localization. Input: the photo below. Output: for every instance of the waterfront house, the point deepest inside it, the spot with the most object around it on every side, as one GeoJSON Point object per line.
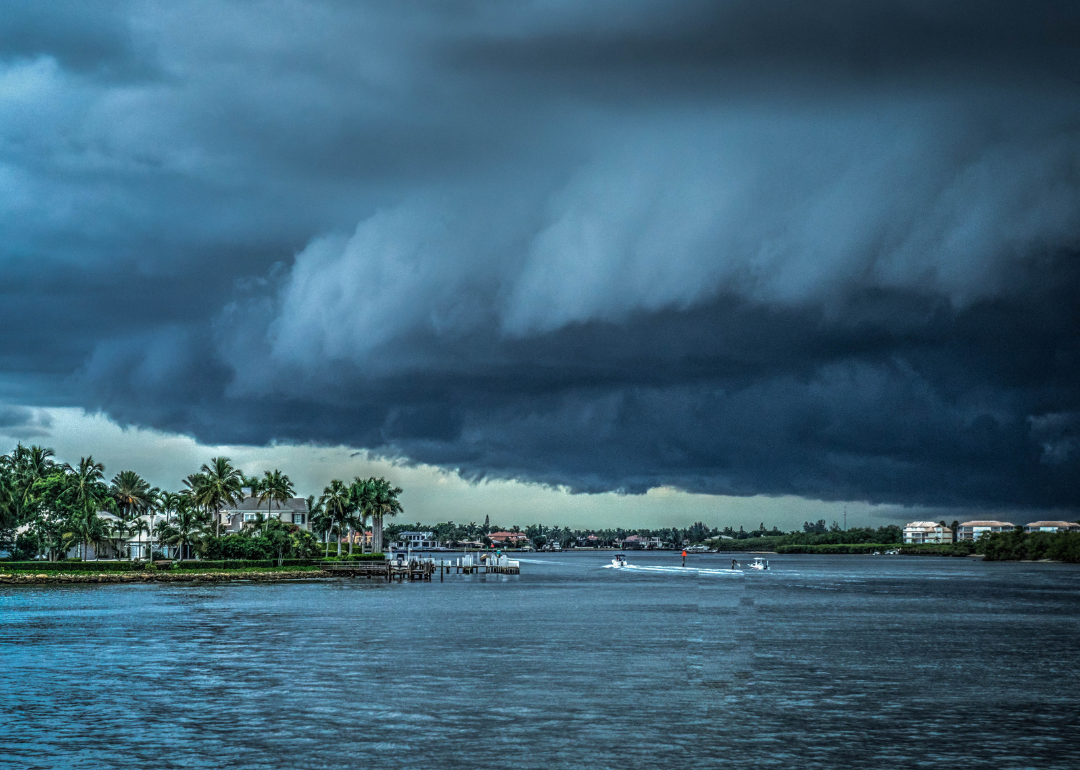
{"type": "Point", "coordinates": [927, 532]}
{"type": "Point", "coordinates": [1052, 526]}
{"type": "Point", "coordinates": [291, 511]}
{"type": "Point", "coordinates": [127, 546]}
{"type": "Point", "coordinates": [973, 530]}
{"type": "Point", "coordinates": [507, 538]}
{"type": "Point", "coordinates": [417, 541]}
{"type": "Point", "coordinates": [361, 539]}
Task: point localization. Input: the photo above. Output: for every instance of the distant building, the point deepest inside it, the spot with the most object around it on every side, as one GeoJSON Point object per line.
{"type": "Point", "coordinates": [362, 539]}
{"type": "Point", "coordinates": [973, 530]}
{"type": "Point", "coordinates": [416, 541]}
{"type": "Point", "coordinates": [927, 532]}
{"type": "Point", "coordinates": [507, 538]}
{"type": "Point", "coordinates": [1052, 526]}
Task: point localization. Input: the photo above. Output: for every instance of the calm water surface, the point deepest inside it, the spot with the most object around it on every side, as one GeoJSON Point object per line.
{"type": "Point", "coordinates": [824, 662]}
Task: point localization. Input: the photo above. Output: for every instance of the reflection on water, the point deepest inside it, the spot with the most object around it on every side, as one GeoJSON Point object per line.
{"type": "Point", "coordinates": [820, 662]}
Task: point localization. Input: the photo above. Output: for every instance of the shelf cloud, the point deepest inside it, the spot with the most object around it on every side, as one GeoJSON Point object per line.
{"type": "Point", "coordinates": [746, 249]}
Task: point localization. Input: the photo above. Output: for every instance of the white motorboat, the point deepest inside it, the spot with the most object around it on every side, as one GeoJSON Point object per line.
{"type": "Point", "coordinates": [619, 561]}
{"type": "Point", "coordinates": [758, 563]}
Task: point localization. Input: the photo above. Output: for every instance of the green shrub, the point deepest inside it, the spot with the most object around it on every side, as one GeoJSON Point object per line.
{"type": "Point", "coordinates": [207, 565]}
{"type": "Point", "coordinates": [69, 565]}
{"type": "Point", "coordinates": [354, 557]}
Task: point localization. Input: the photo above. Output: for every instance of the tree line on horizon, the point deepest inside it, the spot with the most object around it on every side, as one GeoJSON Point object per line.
{"type": "Point", "coordinates": [48, 507]}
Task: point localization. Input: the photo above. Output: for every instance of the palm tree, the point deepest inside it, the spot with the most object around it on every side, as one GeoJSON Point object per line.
{"type": "Point", "coordinates": [275, 487]}
{"type": "Point", "coordinates": [19, 471]}
{"type": "Point", "coordinates": [218, 487]}
{"type": "Point", "coordinates": [363, 497]}
{"type": "Point", "coordinates": [385, 504]}
{"type": "Point", "coordinates": [133, 497]}
{"type": "Point", "coordinates": [86, 481]}
{"type": "Point", "coordinates": [139, 527]}
{"type": "Point", "coordinates": [336, 502]}
{"type": "Point", "coordinates": [88, 528]}
{"type": "Point", "coordinates": [319, 520]}
{"type": "Point", "coordinates": [169, 503]}
{"type": "Point", "coordinates": [186, 528]}
{"type": "Point", "coordinates": [87, 493]}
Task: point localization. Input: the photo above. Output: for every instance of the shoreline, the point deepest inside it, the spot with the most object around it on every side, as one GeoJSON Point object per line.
{"type": "Point", "coordinates": [30, 578]}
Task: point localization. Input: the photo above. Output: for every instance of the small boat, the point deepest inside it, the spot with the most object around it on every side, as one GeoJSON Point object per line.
{"type": "Point", "coordinates": [619, 561]}
{"type": "Point", "coordinates": [758, 563]}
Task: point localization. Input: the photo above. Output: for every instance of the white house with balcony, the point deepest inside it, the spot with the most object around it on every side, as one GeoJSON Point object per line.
{"type": "Point", "coordinates": [417, 541]}
{"type": "Point", "coordinates": [927, 533]}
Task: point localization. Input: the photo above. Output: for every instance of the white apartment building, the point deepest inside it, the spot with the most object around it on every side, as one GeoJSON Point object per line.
{"type": "Point", "coordinates": [927, 532]}
{"type": "Point", "coordinates": [973, 530]}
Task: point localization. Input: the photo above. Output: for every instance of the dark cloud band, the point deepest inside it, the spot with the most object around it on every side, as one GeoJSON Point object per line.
{"type": "Point", "coordinates": [826, 250]}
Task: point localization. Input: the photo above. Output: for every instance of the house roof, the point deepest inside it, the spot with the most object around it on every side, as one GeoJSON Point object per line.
{"type": "Point", "coordinates": [987, 524]}
{"type": "Point", "coordinates": [922, 525]}
{"type": "Point", "coordinates": [507, 534]}
{"type": "Point", "coordinates": [1053, 524]}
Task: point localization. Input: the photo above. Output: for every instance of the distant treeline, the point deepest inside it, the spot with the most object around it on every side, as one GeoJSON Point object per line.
{"type": "Point", "coordinates": [868, 538]}
{"type": "Point", "coordinates": [998, 546]}
{"type": "Point", "coordinates": [1021, 546]}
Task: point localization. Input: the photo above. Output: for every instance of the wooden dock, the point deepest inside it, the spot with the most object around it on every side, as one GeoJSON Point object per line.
{"type": "Point", "coordinates": [423, 569]}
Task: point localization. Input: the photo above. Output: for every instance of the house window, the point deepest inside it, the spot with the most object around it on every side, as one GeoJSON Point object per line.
{"type": "Point", "coordinates": [251, 516]}
{"type": "Point", "coordinates": [298, 518]}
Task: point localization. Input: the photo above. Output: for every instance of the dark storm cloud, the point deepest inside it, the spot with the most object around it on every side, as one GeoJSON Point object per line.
{"type": "Point", "coordinates": [826, 249]}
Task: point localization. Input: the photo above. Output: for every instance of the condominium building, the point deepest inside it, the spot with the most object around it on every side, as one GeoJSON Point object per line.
{"type": "Point", "coordinates": [1052, 526]}
{"type": "Point", "coordinates": [923, 532]}
{"type": "Point", "coordinates": [973, 530]}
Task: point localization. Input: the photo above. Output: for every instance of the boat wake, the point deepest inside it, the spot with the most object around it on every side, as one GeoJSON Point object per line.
{"type": "Point", "coordinates": [677, 570]}
{"type": "Point", "coordinates": [539, 561]}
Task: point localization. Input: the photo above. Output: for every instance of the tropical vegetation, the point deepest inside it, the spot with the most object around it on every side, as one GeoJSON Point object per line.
{"type": "Point", "coordinates": [57, 511]}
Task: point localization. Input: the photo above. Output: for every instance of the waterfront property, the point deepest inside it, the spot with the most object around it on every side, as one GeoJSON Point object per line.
{"type": "Point", "coordinates": [1052, 526]}
{"type": "Point", "coordinates": [507, 538]}
{"type": "Point", "coordinates": [131, 542]}
{"type": "Point", "coordinates": [973, 530]}
{"type": "Point", "coordinates": [927, 532]}
{"type": "Point", "coordinates": [291, 511]}
{"type": "Point", "coordinates": [362, 539]}
{"type": "Point", "coordinates": [416, 541]}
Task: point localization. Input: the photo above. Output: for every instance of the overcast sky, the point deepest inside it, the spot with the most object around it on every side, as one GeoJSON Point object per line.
{"type": "Point", "coordinates": [779, 256]}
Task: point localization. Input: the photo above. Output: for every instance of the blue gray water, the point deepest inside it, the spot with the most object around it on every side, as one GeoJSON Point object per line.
{"type": "Point", "coordinates": [824, 662]}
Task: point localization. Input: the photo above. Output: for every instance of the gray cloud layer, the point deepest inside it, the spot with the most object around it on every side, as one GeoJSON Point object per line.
{"type": "Point", "coordinates": [828, 250]}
